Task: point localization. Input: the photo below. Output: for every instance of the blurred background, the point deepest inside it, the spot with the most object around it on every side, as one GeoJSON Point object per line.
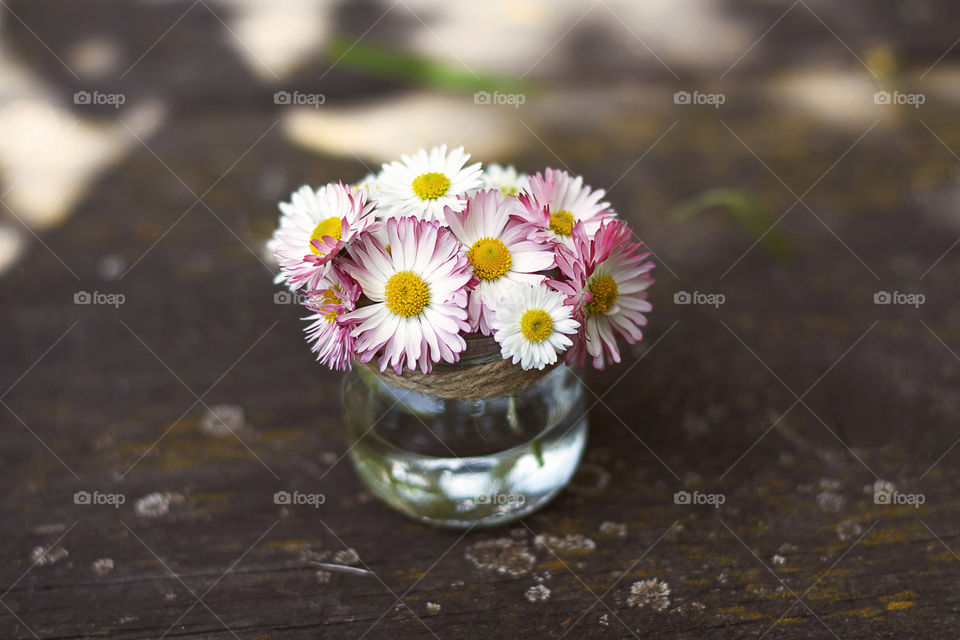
{"type": "Point", "coordinates": [788, 162]}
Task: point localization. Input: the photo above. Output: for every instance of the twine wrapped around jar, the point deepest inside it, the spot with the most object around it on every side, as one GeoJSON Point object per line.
{"type": "Point", "coordinates": [481, 373]}
{"type": "Point", "coordinates": [497, 378]}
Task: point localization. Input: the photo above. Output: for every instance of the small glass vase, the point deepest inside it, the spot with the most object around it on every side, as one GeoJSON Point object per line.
{"type": "Point", "coordinates": [460, 462]}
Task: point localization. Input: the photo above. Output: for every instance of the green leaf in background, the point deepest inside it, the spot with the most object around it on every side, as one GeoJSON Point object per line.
{"type": "Point", "coordinates": [749, 213]}
{"type": "Point", "coordinates": [398, 65]}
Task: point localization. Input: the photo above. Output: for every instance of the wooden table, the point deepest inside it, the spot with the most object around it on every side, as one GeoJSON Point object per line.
{"type": "Point", "coordinates": [779, 411]}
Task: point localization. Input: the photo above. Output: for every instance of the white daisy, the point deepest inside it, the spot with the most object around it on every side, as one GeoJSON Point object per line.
{"type": "Point", "coordinates": [418, 295]}
{"type": "Point", "coordinates": [533, 325]}
{"type": "Point", "coordinates": [555, 201]}
{"type": "Point", "coordinates": [506, 179]}
{"type": "Point", "coordinates": [606, 278]}
{"type": "Point", "coordinates": [314, 226]}
{"type": "Point", "coordinates": [423, 184]}
{"type": "Point", "coordinates": [499, 252]}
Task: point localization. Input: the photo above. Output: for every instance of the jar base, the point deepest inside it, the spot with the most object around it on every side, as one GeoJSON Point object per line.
{"type": "Point", "coordinates": [477, 491]}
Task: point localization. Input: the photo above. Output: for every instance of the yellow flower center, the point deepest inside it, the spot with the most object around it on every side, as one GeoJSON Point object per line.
{"type": "Point", "coordinates": [605, 292]}
{"type": "Point", "coordinates": [406, 294]}
{"type": "Point", "coordinates": [509, 191]}
{"type": "Point", "coordinates": [329, 297]}
{"type": "Point", "coordinates": [490, 258]}
{"type": "Point", "coordinates": [430, 186]}
{"type": "Point", "coordinates": [561, 223]}
{"type": "Point", "coordinates": [329, 227]}
{"type": "Point", "coordinates": [536, 325]}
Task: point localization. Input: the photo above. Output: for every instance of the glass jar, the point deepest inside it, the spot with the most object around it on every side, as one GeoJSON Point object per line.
{"type": "Point", "coordinates": [464, 462]}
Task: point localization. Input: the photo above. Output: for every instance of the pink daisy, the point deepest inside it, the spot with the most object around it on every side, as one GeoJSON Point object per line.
{"type": "Point", "coordinates": [606, 279]}
{"type": "Point", "coordinates": [336, 295]}
{"type": "Point", "coordinates": [555, 200]}
{"type": "Point", "coordinates": [418, 290]}
{"type": "Point", "coordinates": [499, 252]}
{"type": "Point", "coordinates": [314, 227]}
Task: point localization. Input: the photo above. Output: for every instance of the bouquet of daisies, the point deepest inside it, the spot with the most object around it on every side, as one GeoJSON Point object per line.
{"type": "Point", "coordinates": [403, 266]}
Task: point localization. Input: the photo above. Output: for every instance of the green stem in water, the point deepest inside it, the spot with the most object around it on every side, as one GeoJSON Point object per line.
{"type": "Point", "coordinates": [537, 449]}
{"type": "Point", "coordinates": [513, 419]}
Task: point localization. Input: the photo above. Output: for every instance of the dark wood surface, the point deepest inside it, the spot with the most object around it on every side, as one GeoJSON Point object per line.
{"type": "Point", "coordinates": [790, 400]}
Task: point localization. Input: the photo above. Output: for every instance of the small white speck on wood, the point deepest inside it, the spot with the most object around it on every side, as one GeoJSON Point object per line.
{"type": "Point", "coordinates": [537, 593]}
{"type": "Point", "coordinates": [44, 556]}
{"type": "Point", "coordinates": [505, 556]}
{"type": "Point", "coordinates": [573, 543]}
{"type": "Point", "coordinates": [830, 502]}
{"type": "Point", "coordinates": [154, 505]}
{"type": "Point", "coordinates": [616, 529]}
{"type": "Point", "coordinates": [102, 566]}
{"type": "Point", "coordinates": [849, 530]}
{"type": "Point", "coordinates": [347, 556]}
{"type": "Point", "coordinates": [433, 608]}
{"type": "Point", "coordinates": [653, 593]}
{"type": "Point", "coordinates": [223, 420]}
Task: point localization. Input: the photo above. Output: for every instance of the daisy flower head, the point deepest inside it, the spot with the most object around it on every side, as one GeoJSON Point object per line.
{"type": "Point", "coordinates": [499, 251]}
{"type": "Point", "coordinates": [330, 336]}
{"type": "Point", "coordinates": [314, 227]}
{"type": "Point", "coordinates": [556, 200]}
{"type": "Point", "coordinates": [606, 279]}
{"type": "Point", "coordinates": [506, 179]}
{"type": "Point", "coordinates": [418, 295]}
{"type": "Point", "coordinates": [424, 184]}
{"type": "Point", "coordinates": [533, 325]}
